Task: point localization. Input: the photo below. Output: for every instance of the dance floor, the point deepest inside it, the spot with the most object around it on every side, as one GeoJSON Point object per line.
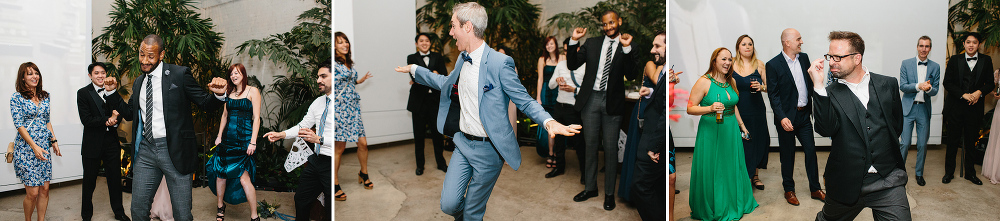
{"type": "Point", "coordinates": [65, 198]}
{"type": "Point", "coordinates": [525, 194]}
{"type": "Point", "coordinates": [958, 200]}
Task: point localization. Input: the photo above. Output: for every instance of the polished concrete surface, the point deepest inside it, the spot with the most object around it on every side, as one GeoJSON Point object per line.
{"type": "Point", "coordinates": [65, 198]}
{"type": "Point", "coordinates": [958, 200]}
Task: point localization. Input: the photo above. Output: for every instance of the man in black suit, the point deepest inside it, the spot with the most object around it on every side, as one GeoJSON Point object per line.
{"type": "Point", "coordinates": [100, 142]}
{"type": "Point", "coordinates": [649, 179]}
{"type": "Point", "coordinates": [966, 80]}
{"type": "Point", "coordinates": [791, 102]}
{"type": "Point", "coordinates": [423, 103]}
{"type": "Point", "coordinates": [601, 98]}
{"type": "Point", "coordinates": [164, 131]}
{"type": "Point", "coordinates": [863, 114]}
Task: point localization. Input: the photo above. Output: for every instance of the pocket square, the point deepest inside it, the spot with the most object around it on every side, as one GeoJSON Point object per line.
{"type": "Point", "coordinates": [487, 88]}
{"type": "Point", "coordinates": [172, 86]}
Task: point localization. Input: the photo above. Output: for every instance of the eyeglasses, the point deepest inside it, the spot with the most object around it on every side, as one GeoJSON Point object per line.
{"type": "Point", "coordinates": [836, 58]}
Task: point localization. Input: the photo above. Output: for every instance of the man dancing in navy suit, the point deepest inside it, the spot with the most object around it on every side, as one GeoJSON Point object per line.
{"type": "Point", "coordinates": [484, 139]}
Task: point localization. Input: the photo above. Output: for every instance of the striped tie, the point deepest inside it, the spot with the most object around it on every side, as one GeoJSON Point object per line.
{"type": "Point", "coordinates": [607, 65]}
{"type": "Point", "coordinates": [147, 127]}
{"type": "Point", "coordinates": [322, 122]}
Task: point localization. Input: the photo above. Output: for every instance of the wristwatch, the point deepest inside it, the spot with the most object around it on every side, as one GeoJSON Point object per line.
{"type": "Point", "coordinates": [320, 140]}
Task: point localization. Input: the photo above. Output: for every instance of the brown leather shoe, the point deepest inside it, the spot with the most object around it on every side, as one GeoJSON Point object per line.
{"type": "Point", "coordinates": [819, 194]}
{"type": "Point", "coordinates": [790, 197]}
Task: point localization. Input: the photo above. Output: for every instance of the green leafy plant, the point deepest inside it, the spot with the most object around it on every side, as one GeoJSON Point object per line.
{"type": "Point", "coordinates": [975, 15]}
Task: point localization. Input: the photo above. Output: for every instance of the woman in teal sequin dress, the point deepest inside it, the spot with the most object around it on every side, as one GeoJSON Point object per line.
{"type": "Point", "coordinates": [232, 164]}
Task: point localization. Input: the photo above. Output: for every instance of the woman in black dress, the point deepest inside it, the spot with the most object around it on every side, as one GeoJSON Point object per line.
{"type": "Point", "coordinates": [751, 80]}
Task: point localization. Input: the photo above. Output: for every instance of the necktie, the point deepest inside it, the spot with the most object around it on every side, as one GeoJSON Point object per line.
{"type": "Point", "coordinates": [322, 122]}
{"type": "Point", "coordinates": [424, 56]}
{"type": "Point", "coordinates": [465, 56]}
{"type": "Point", "coordinates": [972, 59]}
{"type": "Point", "coordinates": [147, 127]}
{"type": "Point", "coordinates": [922, 63]}
{"type": "Point", "coordinates": [607, 65]}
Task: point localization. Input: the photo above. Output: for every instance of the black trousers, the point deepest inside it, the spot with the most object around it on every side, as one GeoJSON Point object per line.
{"type": "Point", "coordinates": [786, 141]}
{"type": "Point", "coordinates": [961, 128]}
{"type": "Point", "coordinates": [111, 157]}
{"type": "Point", "coordinates": [315, 179]}
{"type": "Point", "coordinates": [565, 114]}
{"type": "Point", "coordinates": [649, 179]}
{"type": "Point", "coordinates": [423, 120]}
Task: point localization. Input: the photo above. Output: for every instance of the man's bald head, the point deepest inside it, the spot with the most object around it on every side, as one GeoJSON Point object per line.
{"type": "Point", "coordinates": [791, 41]}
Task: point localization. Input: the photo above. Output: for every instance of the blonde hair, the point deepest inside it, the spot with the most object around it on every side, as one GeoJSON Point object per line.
{"type": "Point", "coordinates": [738, 58]}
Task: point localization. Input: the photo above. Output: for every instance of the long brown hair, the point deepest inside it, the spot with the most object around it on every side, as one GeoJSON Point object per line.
{"type": "Point", "coordinates": [22, 86]}
{"type": "Point", "coordinates": [229, 80]}
{"type": "Point", "coordinates": [738, 58]}
{"type": "Point", "coordinates": [545, 52]}
{"type": "Point", "coordinates": [728, 75]}
{"type": "Point", "coordinates": [343, 58]}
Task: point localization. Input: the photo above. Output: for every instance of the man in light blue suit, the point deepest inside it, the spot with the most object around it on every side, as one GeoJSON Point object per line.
{"type": "Point", "coordinates": [919, 78]}
{"type": "Point", "coordinates": [483, 82]}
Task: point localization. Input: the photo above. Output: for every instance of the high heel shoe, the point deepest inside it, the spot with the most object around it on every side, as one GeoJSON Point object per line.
{"type": "Point", "coordinates": [339, 196]}
{"type": "Point", "coordinates": [363, 179]}
{"type": "Point", "coordinates": [221, 210]}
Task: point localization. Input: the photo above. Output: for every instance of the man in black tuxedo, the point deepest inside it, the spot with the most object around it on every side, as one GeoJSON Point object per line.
{"type": "Point", "coordinates": [423, 103]}
{"type": "Point", "coordinates": [601, 98]}
{"type": "Point", "coordinates": [791, 102]}
{"type": "Point", "coordinates": [650, 178]}
{"type": "Point", "coordinates": [100, 142]}
{"type": "Point", "coordinates": [863, 114]}
{"type": "Point", "coordinates": [967, 79]}
{"type": "Point", "coordinates": [164, 131]}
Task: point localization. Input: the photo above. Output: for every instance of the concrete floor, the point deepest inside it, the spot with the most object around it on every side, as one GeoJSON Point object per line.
{"type": "Point", "coordinates": [524, 194]}
{"type": "Point", "coordinates": [65, 198]}
{"type": "Point", "coordinates": [958, 200]}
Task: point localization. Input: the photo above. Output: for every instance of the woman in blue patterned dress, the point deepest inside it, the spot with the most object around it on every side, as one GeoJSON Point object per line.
{"type": "Point", "coordinates": [349, 127]}
{"type": "Point", "coordinates": [232, 165]}
{"type": "Point", "coordinates": [29, 107]}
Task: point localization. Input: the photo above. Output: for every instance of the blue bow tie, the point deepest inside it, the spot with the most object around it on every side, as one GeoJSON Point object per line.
{"type": "Point", "coordinates": [465, 56]}
{"type": "Point", "coordinates": [922, 63]}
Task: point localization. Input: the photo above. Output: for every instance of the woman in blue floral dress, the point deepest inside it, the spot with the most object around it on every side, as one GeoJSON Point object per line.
{"type": "Point", "coordinates": [34, 143]}
{"type": "Point", "coordinates": [349, 127]}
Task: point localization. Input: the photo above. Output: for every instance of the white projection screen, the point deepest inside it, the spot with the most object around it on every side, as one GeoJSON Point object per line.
{"type": "Point", "coordinates": [55, 35]}
{"type": "Point", "coordinates": [380, 42]}
{"type": "Point", "coordinates": [890, 30]}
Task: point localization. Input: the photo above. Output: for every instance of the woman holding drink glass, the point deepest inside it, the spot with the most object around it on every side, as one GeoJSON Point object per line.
{"type": "Point", "coordinates": [749, 81]}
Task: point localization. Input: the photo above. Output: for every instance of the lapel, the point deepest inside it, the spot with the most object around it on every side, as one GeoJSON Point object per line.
{"type": "Point", "coordinates": [421, 60]}
{"type": "Point", "coordinates": [848, 105]}
{"type": "Point", "coordinates": [976, 70]}
{"type": "Point", "coordinates": [482, 72]}
{"type": "Point", "coordinates": [97, 98]}
{"type": "Point", "coordinates": [452, 79]}
{"type": "Point", "coordinates": [430, 60]}
{"type": "Point", "coordinates": [165, 82]}
{"type": "Point", "coordinates": [784, 67]}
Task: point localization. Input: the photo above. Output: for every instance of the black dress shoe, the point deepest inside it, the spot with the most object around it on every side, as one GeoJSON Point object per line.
{"type": "Point", "coordinates": [420, 171]}
{"type": "Point", "coordinates": [677, 191]}
{"type": "Point", "coordinates": [555, 172]}
{"type": "Point", "coordinates": [920, 181]}
{"type": "Point", "coordinates": [122, 217]}
{"type": "Point", "coordinates": [583, 196]}
{"type": "Point", "coordinates": [443, 168]}
{"type": "Point", "coordinates": [974, 179]}
{"type": "Point", "coordinates": [947, 178]}
{"type": "Point", "coordinates": [609, 202]}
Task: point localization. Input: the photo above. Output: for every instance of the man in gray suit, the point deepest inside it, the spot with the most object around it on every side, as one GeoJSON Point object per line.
{"type": "Point", "coordinates": [919, 79]}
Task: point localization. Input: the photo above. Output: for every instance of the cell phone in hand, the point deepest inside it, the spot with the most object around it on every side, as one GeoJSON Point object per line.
{"type": "Point", "coordinates": [745, 135]}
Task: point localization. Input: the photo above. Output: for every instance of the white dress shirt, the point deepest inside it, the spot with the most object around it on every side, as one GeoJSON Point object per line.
{"type": "Point", "coordinates": [562, 70]}
{"type": "Point", "coordinates": [921, 77]}
{"type": "Point", "coordinates": [800, 81]}
{"type": "Point", "coordinates": [312, 118]}
{"type": "Point", "coordinates": [159, 128]}
{"type": "Point", "coordinates": [972, 63]}
{"type": "Point", "coordinates": [156, 76]}
{"type": "Point", "coordinates": [860, 90]}
{"type": "Point", "coordinates": [604, 51]}
{"type": "Point", "coordinates": [424, 56]}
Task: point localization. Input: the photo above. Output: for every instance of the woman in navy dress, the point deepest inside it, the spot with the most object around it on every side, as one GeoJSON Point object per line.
{"type": "Point", "coordinates": [547, 97]}
{"type": "Point", "coordinates": [35, 142]}
{"type": "Point", "coordinates": [751, 80]}
{"type": "Point", "coordinates": [348, 116]}
{"type": "Point", "coordinates": [232, 165]}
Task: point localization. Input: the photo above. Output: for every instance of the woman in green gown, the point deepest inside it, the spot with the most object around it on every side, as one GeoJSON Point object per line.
{"type": "Point", "coordinates": [720, 189]}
